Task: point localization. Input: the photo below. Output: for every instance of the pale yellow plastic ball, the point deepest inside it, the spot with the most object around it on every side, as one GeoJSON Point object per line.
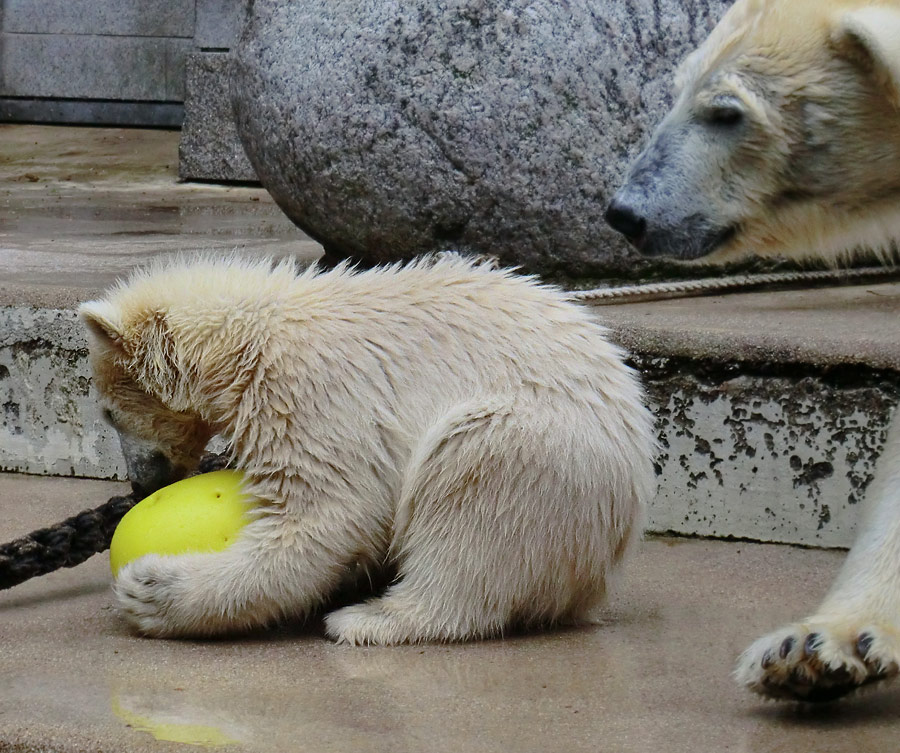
{"type": "Point", "coordinates": [204, 513]}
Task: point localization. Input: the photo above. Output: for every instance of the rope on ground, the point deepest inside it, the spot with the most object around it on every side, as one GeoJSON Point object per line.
{"type": "Point", "coordinates": [712, 285]}
{"type": "Point", "coordinates": [75, 539]}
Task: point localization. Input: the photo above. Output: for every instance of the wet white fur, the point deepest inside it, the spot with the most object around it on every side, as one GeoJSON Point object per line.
{"type": "Point", "coordinates": [865, 599]}
{"type": "Point", "coordinates": [468, 423]}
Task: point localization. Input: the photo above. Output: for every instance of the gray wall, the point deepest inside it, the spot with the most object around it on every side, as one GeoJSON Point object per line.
{"type": "Point", "coordinates": [105, 61]}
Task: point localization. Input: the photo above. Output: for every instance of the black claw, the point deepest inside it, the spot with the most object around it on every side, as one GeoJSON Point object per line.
{"type": "Point", "coordinates": [768, 660]}
{"type": "Point", "coordinates": [812, 644]}
{"type": "Point", "coordinates": [786, 647]}
{"type": "Point", "coordinates": [864, 645]}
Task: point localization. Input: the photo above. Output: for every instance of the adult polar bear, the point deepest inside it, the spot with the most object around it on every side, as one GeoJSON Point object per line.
{"type": "Point", "coordinates": [785, 140]}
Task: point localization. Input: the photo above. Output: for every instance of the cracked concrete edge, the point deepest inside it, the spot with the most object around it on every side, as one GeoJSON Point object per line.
{"type": "Point", "coordinates": [752, 347]}
{"type": "Point", "coordinates": [780, 455]}
{"type": "Point", "coordinates": [769, 455]}
{"type": "Point", "coordinates": [49, 420]}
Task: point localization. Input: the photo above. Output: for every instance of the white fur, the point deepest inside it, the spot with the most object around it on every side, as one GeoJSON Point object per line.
{"type": "Point", "coordinates": [470, 424]}
{"type": "Point", "coordinates": [838, 61]}
{"type": "Point", "coordinates": [809, 168]}
{"type": "Point", "coordinates": [877, 29]}
{"type": "Point", "coordinates": [864, 602]}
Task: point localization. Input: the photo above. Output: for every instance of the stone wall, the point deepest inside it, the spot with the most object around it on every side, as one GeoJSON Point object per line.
{"type": "Point", "coordinates": [105, 62]}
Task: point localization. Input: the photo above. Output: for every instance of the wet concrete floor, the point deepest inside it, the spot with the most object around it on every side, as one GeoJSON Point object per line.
{"type": "Point", "coordinates": [80, 207]}
{"type": "Point", "coordinates": [654, 676]}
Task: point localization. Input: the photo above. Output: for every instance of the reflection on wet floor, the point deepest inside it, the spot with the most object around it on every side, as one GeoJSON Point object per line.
{"type": "Point", "coordinates": [80, 207]}
{"type": "Point", "coordinates": [172, 721]}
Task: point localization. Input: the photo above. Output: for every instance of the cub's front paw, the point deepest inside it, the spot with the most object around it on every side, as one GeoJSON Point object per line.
{"type": "Point", "coordinates": [820, 660]}
{"type": "Point", "coordinates": [147, 592]}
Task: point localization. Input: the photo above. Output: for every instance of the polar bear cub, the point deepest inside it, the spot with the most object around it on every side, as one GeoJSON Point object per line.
{"type": "Point", "coordinates": [472, 428]}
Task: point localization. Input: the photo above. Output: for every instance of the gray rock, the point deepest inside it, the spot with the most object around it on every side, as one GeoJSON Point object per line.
{"type": "Point", "coordinates": [388, 129]}
{"type": "Point", "coordinates": [210, 148]}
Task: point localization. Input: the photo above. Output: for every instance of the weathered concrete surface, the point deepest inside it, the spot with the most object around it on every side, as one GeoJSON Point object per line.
{"type": "Point", "coordinates": [771, 455]}
{"type": "Point", "coordinates": [49, 420]}
{"type": "Point", "coordinates": [823, 327]}
{"type": "Point", "coordinates": [390, 129]}
{"type": "Point", "coordinates": [771, 407]}
{"type": "Point", "coordinates": [654, 675]}
{"type": "Point", "coordinates": [81, 207]}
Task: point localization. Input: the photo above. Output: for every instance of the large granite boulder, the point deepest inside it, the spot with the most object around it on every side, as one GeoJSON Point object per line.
{"type": "Point", "coordinates": [387, 129]}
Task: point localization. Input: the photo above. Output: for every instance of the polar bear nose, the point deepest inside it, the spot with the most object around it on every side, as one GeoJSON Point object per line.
{"type": "Point", "coordinates": [626, 220]}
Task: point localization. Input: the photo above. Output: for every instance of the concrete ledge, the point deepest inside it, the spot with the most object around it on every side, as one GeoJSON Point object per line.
{"type": "Point", "coordinates": [824, 326]}
{"type": "Point", "coordinates": [771, 452]}
{"type": "Point", "coordinates": [49, 422]}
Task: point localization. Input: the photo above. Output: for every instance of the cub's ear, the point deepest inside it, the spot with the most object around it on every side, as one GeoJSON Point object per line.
{"type": "Point", "coordinates": [104, 325]}
{"type": "Point", "coordinates": [871, 36]}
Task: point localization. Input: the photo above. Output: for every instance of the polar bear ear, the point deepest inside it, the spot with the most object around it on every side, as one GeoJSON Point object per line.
{"type": "Point", "coordinates": [872, 36]}
{"type": "Point", "coordinates": [104, 325]}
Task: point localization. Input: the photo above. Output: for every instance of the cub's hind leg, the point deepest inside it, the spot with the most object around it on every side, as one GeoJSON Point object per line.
{"type": "Point", "coordinates": [505, 518]}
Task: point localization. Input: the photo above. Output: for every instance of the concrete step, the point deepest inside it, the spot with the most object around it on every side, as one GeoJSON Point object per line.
{"type": "Point", "coordinates": [654, 675]}
{"type": "Point", "coordinates": [771, 406]}
{"type": "Point", "coordinates": [757, 440]}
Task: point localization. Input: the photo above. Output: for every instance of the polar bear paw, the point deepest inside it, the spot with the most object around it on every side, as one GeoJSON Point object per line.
{"type": "Point", "coordinates": [369, 624]}
{"type": "Point", "coordinates": [147, 593]}
{"type": "Point", "coordinates": [820, 660]}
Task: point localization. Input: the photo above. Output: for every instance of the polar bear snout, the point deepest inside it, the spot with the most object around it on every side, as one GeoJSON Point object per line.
{"type": "Point", "coordinates": [667, 206]}
{"type": "Point", "coordinates": [688, 236]}
{"type": "Point", "coordinates": [148, 467]}
{"type": "Point", "coordinates": [624, 219]}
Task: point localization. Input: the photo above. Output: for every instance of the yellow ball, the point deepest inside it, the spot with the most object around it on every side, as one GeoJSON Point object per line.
{"type": "Point", "coordinates": [204, 513]}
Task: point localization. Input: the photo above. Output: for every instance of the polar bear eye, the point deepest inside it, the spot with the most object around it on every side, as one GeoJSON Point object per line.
{"type": "Point", "coordinates": [725, 113]}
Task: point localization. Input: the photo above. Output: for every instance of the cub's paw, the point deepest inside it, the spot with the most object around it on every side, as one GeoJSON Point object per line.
{"type": "Point", "coordinates": [370, 624]}
{"type": "Point", "coordinates": [820, 660]}
{"type": "Point", "coordinates": [147, 592]}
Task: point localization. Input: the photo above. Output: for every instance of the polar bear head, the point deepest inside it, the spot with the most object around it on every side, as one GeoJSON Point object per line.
{"type": "Point", "coordinates": [134, 373]}
{"type": "Point", "coordinates": [784, 139]}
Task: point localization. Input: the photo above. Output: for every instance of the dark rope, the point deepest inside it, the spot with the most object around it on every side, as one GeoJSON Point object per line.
{"type": "Point", "coordinates": [75, 539]}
